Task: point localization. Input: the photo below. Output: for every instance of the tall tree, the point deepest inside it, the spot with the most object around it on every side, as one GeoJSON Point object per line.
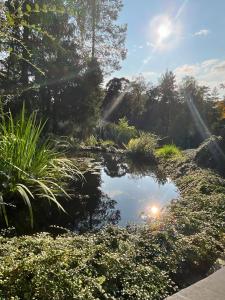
{"type": "Point", "coordinates": [167, 100]}
{"type": "Point", "coordinates": [100, 34]}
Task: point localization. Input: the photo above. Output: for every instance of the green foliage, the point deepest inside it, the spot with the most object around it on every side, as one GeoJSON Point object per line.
{"type": "Point", "coordinates": [29, 169]}
{"type": "Point", "coordinates": [144, 145]}
{"type": "Point", "coordinates": [91, 141]}
{"type": "Point", "coordinates": [168, 151]}
{"type": "Point", "coordinates": [106, 143]}
{"type": "Point", "coordinates": [65, 143]}
{"type": "Point", "coordinates": [105, 266]}
{"type": "Point", "coordinates": [185, 114]}
{"type": "Point", "coordinates": [120, 133]}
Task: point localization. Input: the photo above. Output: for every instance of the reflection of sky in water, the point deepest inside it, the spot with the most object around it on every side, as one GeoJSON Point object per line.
{"type": "Point", "coordinates": [134, 195]}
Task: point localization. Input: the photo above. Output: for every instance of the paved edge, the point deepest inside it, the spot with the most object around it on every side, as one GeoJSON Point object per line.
{"type": "Point", "coordinates": [209, 288]}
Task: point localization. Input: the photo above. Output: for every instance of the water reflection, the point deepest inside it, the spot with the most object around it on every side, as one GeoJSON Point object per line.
{"type": "Point", "coordinates": [115, 191]}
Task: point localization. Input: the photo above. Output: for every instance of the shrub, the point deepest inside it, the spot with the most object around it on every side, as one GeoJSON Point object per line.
{"type": "Point", "coordinates": [168, 151]}
{"type": "Point", "coordinates": [29, 169]}
{"type": "Point", "coordinates": [102, 266]}
{"type": "Point", "coordinates": [120, 133]}
{"type": "Point", "coordinates": [91, 141]}
{"type": "Point", "coordinates": [107, 143]}
{"type": "Point", "coordinates": [143, 146]}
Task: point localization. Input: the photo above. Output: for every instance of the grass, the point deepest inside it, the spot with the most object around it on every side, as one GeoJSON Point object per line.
{"type": "Point", "coordinates": [120, 133]}
{"type": "Point", "coordinates": [168, 151]}
{"type": "Point", "coordinates": [143, 146]}
{"type": "Point", "coordinates": [29, 169]}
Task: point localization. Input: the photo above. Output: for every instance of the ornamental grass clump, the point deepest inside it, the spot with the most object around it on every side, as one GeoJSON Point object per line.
{"type": "Point", "coordinates": [143, 146]}
{"type": "Point", "coordinates": [30, 170]}
{"type": "Point", "coordinates": [168, 151]}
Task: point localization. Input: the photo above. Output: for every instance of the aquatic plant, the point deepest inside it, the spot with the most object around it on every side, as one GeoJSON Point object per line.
{"type": "Point", "coordinates": [30, 170]}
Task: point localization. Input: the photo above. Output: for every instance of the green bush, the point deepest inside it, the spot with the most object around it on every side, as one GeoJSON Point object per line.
{"type": "Point", "coordinates": [120, 133]}
{"type": "Point", "coordinates": [29, 169]}
{"type": "Point", "coordinates": [143, 146]}
{"type": "Point", "coordinates": [91, 141]}
{"type": "Point", "coordinates": [106, 143]}
{"type": "Point", "coordinates": [105, 266]}
{"type": "Point", "coordinates": [168, 151]}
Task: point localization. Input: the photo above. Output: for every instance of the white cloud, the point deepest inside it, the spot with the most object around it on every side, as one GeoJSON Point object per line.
{"type": "Point", "coordinates": [209, 72]}
{"type": "Point", "coordinates": [202, 32]}
{"type": "Point", "coordinates": [140, 47]}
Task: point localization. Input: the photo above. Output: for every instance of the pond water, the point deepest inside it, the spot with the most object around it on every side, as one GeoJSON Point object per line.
{"type": "Point", "coordinates": [137, 197]}
{"type": "Point", "coordinates": [115, 191]}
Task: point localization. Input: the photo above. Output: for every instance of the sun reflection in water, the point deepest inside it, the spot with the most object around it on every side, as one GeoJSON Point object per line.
{"type": "Point", "coordinates": [152, 212]}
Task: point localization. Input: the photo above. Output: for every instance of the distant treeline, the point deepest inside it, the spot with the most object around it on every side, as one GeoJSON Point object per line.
{"type": "Point", "coordinates": [184, 114]}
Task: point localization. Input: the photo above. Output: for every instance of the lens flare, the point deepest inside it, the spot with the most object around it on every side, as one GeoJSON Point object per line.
{"type": "Point", "coordinates": [164, 32]}
{"type": "Point", "coordinates": [154, 210]}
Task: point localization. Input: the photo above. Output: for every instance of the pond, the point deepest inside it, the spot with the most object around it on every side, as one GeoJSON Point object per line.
{"type": "Point", "coordinates": [116, 191]}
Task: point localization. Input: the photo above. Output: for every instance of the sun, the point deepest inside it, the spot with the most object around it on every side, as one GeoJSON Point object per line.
{"type": "Point", "coordinates": [164, 31]}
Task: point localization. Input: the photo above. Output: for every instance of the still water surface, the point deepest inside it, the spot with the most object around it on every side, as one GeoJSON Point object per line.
{"type": "Point", "coordinates": [136, 196]}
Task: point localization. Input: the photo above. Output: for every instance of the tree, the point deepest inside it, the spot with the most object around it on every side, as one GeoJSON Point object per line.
{"type": "Point", "coordinates": [115, 91]}
{"type": "Point", "coordinates": [53, 61]}
{"type": "Point", "coordinates": [167, 101]}
{"type": "Point", "coordinates": [99, 33]}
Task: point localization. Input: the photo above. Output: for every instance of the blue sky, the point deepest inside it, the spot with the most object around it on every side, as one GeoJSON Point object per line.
{"type": "Point", "coordinates": [185, 36]}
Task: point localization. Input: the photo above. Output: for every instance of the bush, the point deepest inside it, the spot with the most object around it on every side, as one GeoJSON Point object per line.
{"type": "Point", "coordinates": [105, 266]}
{"type": "Point", "coordinates": [91, 141]}
{"type": "Point", "coordinates": [168, 151]}
{"type": "Point", "coordinates": [107, 143]}
{"type": "Point", "coordinates": [29, 169]}
{"type": "Point", "coordinates": [143, 146]}
{"type": "Point", "coordinates": [120, 133]}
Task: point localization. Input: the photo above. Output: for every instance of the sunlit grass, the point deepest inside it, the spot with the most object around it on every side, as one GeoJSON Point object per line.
{"type": "Point", "coordinates": [168, 151]}
{"type": "Point", "coordinates": [144, 145]}
{"type": "Point", "coordinates": [30, 170]}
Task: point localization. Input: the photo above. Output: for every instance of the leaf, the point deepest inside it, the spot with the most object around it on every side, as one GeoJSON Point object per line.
{"type": "Point", "coordinates": [101, 279]}
{"type": "Point", "coordinates": [25, 193]}
{"type": "Point", "coordinates": [44, 8]}
{"type": "Point", "coordinates": [10, 19]}
{"type": "Point", "coordinates": [3, 210]}
{"type": "Point", "coordinates": [28, 7]}
{"type": "Point", "coordinates": [37, 8]}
